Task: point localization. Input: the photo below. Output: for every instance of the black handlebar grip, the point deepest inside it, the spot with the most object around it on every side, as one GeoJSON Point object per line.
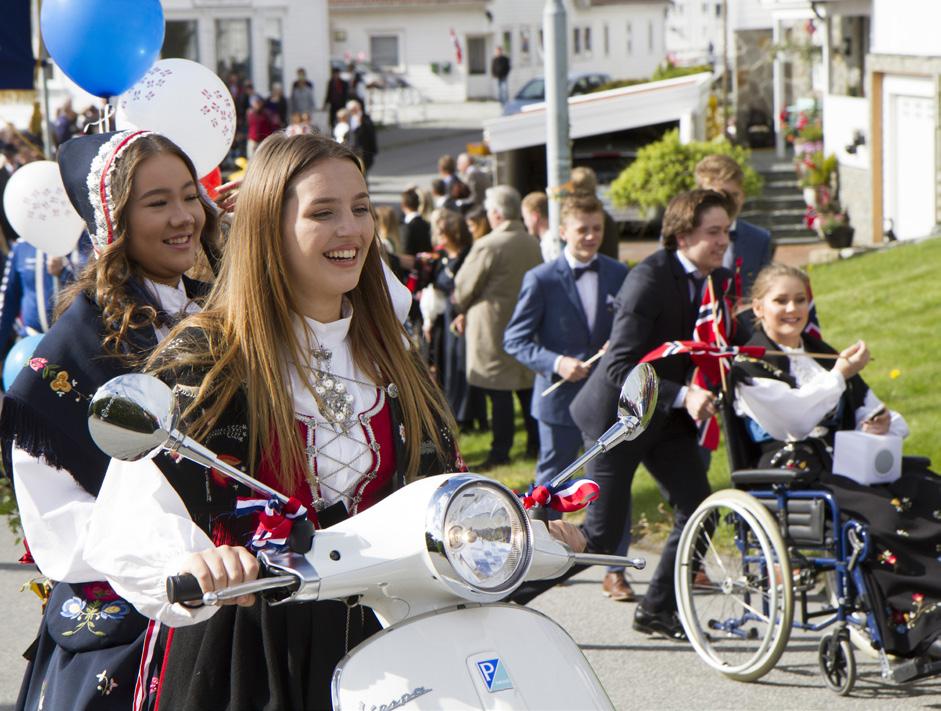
{"type": "Point", "coordinates": [184, 588]}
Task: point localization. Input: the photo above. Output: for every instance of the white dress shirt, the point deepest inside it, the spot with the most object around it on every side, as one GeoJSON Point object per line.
{"type": "Point", "coordinates": [587, 288]}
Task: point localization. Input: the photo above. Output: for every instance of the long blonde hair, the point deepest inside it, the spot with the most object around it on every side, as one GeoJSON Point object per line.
{"type": "Point", "coordinates": [248, 323]}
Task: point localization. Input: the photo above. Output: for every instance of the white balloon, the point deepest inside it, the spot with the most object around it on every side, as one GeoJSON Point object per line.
{"type": "Point", "coordinates": [188, 104]}
{"type": "Point", "coordinates": [39, 209]}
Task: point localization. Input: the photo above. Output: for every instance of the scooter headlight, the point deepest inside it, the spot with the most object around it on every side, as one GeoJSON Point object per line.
{"type": "Point", "coordinates": [479, 536]}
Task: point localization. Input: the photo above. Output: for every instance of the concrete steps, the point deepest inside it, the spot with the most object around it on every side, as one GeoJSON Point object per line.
{"type": "Point", "coordinates": [780, 208]}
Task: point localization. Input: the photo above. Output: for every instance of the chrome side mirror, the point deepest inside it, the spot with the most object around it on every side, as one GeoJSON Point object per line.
{"type": "Point", "coordinates": [638, 399]}
{"type": "Point", "coordinates": [636, 406]}
{"type": "Point", "coordinates": [132, 417]}
{"type": "Point", "coordinates": [135, 416]}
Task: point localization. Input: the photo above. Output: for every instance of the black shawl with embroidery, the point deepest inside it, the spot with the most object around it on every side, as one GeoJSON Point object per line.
{"type": "Point", "coordinates": [46, 410]}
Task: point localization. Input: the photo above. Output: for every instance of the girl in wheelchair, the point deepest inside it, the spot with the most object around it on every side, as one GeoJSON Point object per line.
{"type": "Point", "coordinates": [793, 405]}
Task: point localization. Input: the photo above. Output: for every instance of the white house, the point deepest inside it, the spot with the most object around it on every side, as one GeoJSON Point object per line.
{"type": "Point", "coordinates": [444, 47]}
{"type": "Point", "coordinates": [877, 72]}
{"type": "Point", "coordinates": [262, 40]}
{"type": "Point", "coordinates": [695, 31]}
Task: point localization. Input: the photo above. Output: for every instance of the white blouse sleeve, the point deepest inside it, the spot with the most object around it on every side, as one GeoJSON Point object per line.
{"type": "Point", "coordinates": [398, 292]}
{"type": "Point", "coordinates": [897, 424]}
{"type": "Point", "coordinates": [139, 534]}
{"type": "Point", "coordinates": [788, 413]}
{"type": "Point", "coordinates": [55, 511]}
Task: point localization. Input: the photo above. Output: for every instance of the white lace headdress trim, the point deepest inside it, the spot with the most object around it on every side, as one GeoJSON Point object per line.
{"type": "Point", "coordinates": [99, 184]}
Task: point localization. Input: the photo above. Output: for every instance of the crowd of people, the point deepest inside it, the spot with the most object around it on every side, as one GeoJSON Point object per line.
{"type": "Point", "coordinates": [311, 283]}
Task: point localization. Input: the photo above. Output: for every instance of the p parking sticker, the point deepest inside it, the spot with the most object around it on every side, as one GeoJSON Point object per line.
{"type": "Point", "coordinates": [494, 674]}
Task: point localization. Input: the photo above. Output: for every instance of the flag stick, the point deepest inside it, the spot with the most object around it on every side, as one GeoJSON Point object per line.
{"type": "Point", "coordinates": [555, 386]}
{"type": "Point", "coordinates": [715, 329]}
{"type": "Point", "coordinates": [826, 356]}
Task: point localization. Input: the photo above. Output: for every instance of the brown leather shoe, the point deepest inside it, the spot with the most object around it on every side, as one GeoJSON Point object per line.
{"type": "Point", "coordinates": [617, 588]}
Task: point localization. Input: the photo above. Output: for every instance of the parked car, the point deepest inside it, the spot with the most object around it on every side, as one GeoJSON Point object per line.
{"type": "Point", "coordinates": [534, 91]}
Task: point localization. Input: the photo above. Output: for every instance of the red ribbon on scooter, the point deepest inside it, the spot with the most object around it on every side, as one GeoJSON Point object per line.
{"type": "Point", "coordinates": [275, 520]}
{"type": "Point", "coordinates": [570, 496]}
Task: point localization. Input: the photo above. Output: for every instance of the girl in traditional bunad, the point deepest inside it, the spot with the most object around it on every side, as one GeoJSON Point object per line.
{"type": "Point", "coordinates": [298, 371]}
{"type": "Point", "coordinates": [138, 194]}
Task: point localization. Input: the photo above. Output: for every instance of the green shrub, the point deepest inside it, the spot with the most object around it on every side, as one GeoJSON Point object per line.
{"type": "Point", "coordinates": [669, 71]}
{"type": "Point", "coordinates": [665, 168]}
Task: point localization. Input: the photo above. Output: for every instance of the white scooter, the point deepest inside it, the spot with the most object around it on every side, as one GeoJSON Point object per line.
{"type": "Point", "coordinates": [433, 560]}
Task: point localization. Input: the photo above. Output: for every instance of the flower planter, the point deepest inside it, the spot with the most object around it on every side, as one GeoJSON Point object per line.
{"type": "Point", "coordinates": [839, 237]}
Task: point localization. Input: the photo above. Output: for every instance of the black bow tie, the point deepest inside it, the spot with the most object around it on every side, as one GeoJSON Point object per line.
{"type": "Point", "coordinates": [579, 271]}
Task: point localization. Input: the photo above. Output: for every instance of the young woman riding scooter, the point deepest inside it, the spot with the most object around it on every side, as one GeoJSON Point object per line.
{"type": "Point", "coordinates": [298, 371]}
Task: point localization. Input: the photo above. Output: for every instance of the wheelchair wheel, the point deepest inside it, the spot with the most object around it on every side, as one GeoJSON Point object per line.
{"type": "Point", "coordinates": [837, 663]}
{"type": "Point", "coordinates": [738, 617]}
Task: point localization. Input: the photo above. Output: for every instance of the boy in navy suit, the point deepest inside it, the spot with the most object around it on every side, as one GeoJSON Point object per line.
{"type": "Point", "coordinates": [563, 317]}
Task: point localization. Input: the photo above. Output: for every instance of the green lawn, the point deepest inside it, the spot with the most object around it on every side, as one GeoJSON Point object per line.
{"type": "Point", "coordinates": [890, 299]}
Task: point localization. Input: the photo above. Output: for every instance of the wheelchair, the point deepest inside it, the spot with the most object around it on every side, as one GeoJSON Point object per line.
{"type": "Point", "coordinates": [750, 562]}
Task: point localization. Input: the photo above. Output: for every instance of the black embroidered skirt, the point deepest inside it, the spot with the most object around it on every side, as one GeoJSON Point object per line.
{"type": "Point", "coordinates": [262, 657]}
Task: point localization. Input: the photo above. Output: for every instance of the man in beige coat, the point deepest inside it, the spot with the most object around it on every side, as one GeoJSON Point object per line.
{"type": "Point", "coordinates": [486, 290]}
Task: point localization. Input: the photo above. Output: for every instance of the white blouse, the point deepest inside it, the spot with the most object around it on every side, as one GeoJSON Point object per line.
{"type": "Point", "coordinates": [54, 508]}
{"type": "Point", "coordinates": [792, 414]}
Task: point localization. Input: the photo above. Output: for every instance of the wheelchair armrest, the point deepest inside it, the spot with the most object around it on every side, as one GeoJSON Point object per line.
{"type": "Point", "coordinates": [916, 462]}
{"type": "Point", "coordinates": [744, 478]}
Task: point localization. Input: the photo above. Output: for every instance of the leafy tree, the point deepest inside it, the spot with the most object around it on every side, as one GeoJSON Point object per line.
{"type": "Point", "coordinates": [665, 168]}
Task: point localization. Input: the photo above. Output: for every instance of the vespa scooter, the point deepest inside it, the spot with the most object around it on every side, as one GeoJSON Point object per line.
{"type": "Point", "coordinates": [434, 560]}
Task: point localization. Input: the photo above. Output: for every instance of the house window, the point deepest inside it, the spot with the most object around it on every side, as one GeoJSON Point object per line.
{"type": "Point", "coordinates": [234, 47]}
{"type": "Point", "coordinates": [587, 39]}
{"type": "Point", "coordinates": [507, 43]}
{"type": "Point", "coordinates": [577, 40]}
{"type": "Point", "coordinates": [275, 54]}
{"type": "Point", "coordinates": [630, 39]}
{"type": "Point", "coordinates": [607, 41]}
{"type": "Point", "coordinates": [524, 54]}
{"type": "Point", "coordinates": [384, 50]}
{"type": "Point", "coordinates": [650, 35]}
{"type": "Point", "coordinates": [719, 9]}
{"type": "Point", "coordinates": [180, 40]}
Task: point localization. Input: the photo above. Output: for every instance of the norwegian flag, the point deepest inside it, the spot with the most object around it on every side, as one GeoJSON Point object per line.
{"type": "Point", "coordinates": [708, 358]}
{"type": "Point", "coordinates": [715, 324]}
{"type": "Point", "coordinates": [458, 53]}
{"type": "Point", "coordinates": [568, 496]}
{"type": "Point", "coordinates": [275, 520]}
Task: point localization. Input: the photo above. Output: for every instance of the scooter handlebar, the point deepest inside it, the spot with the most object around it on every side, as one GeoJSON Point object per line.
{"type": "Point", "coordinates": [608, 560]}
{"type": "Point", "coordinates": [184, 588]}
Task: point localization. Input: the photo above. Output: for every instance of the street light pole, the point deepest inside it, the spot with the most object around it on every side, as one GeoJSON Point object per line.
{"type": "Point", "coordinates": [555, 67]}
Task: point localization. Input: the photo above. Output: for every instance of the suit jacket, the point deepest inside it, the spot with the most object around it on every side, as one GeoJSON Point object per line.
{"type": "Point", "coordinates": [753, 244]}
{"type": "Point", "coordinates": [416, 236]}
{"type": "Point", "coordinates": [549, 321]}
{"type": "Point", "coordinates": [652, 307]}
{"type": "Point", "coordinates": [486, 290]}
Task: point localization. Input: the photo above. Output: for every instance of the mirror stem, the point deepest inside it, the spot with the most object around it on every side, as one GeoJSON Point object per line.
{"type": "Point", "coordinates": [195, 452]}
{"type": "Point", "coordinates": [610, 439]}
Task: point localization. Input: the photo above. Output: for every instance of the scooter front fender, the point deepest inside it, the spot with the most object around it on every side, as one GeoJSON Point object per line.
{"type": "Point", "coordinates": [495, 656]}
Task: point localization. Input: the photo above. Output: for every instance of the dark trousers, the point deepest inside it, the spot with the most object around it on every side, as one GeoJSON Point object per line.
{"type": "Point", "coordinates": [502, 424]}
{"type": "Point", "coordinates": [670, 452]}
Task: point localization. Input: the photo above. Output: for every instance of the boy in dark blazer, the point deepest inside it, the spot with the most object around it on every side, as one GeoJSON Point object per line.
{"type": "Point", "coordinates": [657, 303]}
{"type": "Point", "coordinates": [562, 318]}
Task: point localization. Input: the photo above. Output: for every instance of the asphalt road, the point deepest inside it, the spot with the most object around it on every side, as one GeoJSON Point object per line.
{"type": "Point", "coordinates": [639, 672]}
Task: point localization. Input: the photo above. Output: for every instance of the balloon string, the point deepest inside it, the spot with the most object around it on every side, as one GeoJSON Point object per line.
{"type": "Point", "coordinates": [103, 124]}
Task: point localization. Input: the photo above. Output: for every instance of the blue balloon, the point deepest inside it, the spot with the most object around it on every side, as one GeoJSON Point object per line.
{"type": "Point", "coordinates": [17, 358]}
{"type": "Point", "coordinates": [104, 46]}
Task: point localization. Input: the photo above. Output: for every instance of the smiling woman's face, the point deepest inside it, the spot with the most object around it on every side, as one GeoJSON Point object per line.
{"type": "Point", "coordinates": [165, 218]}
{"type": "Point", "coordinates": [784, 310]}
{"type": "Point", "coordinates": [327, 229]}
